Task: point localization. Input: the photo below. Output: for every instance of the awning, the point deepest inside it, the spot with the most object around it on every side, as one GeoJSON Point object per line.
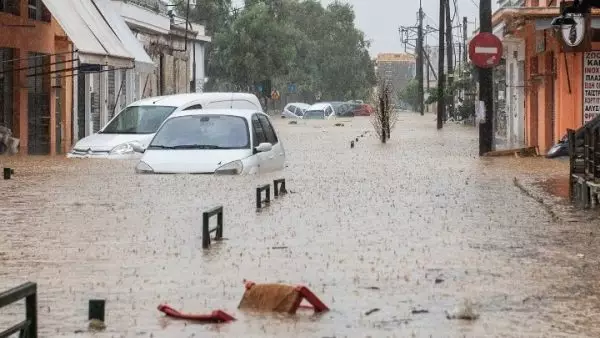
{"type": "Point", "coordinates": [143, 62]}
{"type": "Point", "coordinates": [95, 41]}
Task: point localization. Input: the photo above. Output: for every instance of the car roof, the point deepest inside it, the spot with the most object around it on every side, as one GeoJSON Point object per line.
{"type": "Point", "coordinates": [245, 113]}
{"type": "Point", "coordinates": [299, 104]}
{"type": "Point", "coordinates": [319, 106]}
{"type": "Point", "coordinates": [177, 100]}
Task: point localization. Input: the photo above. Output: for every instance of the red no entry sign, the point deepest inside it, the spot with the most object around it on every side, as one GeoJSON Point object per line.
{"type": "Point", "coordinates": [485, 50]}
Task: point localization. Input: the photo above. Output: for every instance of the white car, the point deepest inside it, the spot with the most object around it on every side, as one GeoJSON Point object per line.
{"type": "Point", "coordinates": [294, 110]}
{"type": "Point", "coordinates": [320, 111]}
{"type": "Point", "coordinates": [210, 141]}
{"type": "Point", "coordinates": [136, 125]}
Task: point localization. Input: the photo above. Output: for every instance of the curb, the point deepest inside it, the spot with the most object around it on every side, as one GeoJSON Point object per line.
{"type": "Point", "coordinates": [548, 203]}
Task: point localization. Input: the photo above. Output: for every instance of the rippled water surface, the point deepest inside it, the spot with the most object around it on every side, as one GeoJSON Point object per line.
{"type": "Point", "coordinates": [369, 227]}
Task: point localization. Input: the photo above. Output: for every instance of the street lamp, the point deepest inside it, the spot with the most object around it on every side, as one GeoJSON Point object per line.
{"type": "Point", "coordinates": [561, 21]}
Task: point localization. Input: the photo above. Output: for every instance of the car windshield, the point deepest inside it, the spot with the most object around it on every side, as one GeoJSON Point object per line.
{"type": "Point", "coordinates": [314, 114]}
{"type": "Point", "coordinates": [203, 132]}
{"type": "Point", "coordinates": [138, 120]}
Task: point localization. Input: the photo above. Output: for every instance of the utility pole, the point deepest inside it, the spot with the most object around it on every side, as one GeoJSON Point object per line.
{"type": "Point", "coordinates": [450, 52]}
{"type": "Point", "coordinates": [465, 27]}
{"type": "Point", "coordinates": [428, 76]}
{"type": "Point", "coordinates": [441, 88]}
{"type": "Point", "coordinates": [420, 63]}
{"type": "Point", "coordinates": [486, 83]}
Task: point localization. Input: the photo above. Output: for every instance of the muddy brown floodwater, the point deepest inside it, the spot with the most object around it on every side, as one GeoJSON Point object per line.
{"type": "Point", "coordinates": [369, 227]}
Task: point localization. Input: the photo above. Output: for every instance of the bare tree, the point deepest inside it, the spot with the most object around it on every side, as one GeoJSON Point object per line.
{"type": "Point", "coordinates": [385, 117]}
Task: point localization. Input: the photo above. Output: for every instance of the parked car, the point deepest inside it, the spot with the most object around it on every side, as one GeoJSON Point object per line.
{"type": "Point", "coordinates": [207, 141]}
{"type": "Point", "coordinates": [560, 149]}
{"type": "Point", "coordinates": [363, 110]}
{"type": "Point", "coordinates": [137, 123]}
{"type": "Point", "coordinates": [294, 110]}
{"type": "Point", "coordinates": [319, 111]}
{"type": "Point", "coordinates": [343, 109]}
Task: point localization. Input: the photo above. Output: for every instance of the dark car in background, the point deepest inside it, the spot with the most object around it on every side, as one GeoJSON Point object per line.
{"type": "Point", "coordinates": [343, 109]}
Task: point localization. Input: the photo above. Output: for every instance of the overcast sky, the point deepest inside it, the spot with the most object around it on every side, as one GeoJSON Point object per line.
{"type": "Point", "coordinates": [380, 19]}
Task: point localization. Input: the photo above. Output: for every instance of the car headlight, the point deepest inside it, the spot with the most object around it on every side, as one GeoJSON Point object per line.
{"type": "Point", "coordinates": [122, 149]}
{"type": "Point", "coordinates": [231, 168]}
{"type": "Point", "coordinates": [143, 168]}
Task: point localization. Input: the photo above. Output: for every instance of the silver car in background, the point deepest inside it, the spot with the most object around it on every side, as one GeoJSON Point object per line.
{"type": "Point", "coordinates": [294, 110]}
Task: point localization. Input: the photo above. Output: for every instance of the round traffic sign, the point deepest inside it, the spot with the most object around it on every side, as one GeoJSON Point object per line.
{"type": "Point", "coordinates": [485, 50]}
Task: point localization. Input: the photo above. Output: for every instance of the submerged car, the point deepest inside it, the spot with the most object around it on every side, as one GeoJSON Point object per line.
{"type": "Point", "coordinates": [136, 125]}
{"type": "Point", "coordinates": [211, 141]}
{"type": "Point", "coordinates": [319, 111]}
{"type": "Point", "coordinates": [343, 109]}
{"type": "Point", "coordinates": [294, 110]}
{"type": "Point", "coordinates": [363, 110]}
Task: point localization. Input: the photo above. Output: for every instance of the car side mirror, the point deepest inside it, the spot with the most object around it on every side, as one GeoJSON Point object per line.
{"type": "Point", "coordinates": [264, 147]}
{"type": "Point", "coordinates": [138, 148]}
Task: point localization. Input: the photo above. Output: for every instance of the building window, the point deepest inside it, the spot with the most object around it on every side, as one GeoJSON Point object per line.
{"type": "Point", "coordinates": [10, 6]}
{"type": "Point", "coordinates": [6, 87]}
{"type": "Point", "coordinates": [36, 10]}
{"type": "Point", "coordinates": [32, 9]}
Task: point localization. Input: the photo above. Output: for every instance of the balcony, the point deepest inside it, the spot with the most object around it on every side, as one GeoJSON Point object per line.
{"type": "Point", "coordinates": [155, 5]}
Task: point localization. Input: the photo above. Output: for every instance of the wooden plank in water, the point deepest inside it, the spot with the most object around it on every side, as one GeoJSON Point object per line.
{"type": "Point", "coordinates": [519, 152]}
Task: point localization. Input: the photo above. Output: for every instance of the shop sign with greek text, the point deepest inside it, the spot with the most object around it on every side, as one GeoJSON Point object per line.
{"type": "Point", "coordinates": [591, 86]}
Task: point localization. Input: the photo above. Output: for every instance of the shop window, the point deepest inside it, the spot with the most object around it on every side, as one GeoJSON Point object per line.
{"type": "Point", "coordinates": [10, 6]}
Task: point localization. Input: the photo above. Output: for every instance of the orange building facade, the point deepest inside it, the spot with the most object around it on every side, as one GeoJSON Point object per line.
{"type": "Point", "coordinates": [36, 95]}
{"type": "Point", "coordinates": [553, 83]}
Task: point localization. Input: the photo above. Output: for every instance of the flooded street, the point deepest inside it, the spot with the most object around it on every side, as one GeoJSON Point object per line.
{"type": "Point", "coordinates": [364, 228]}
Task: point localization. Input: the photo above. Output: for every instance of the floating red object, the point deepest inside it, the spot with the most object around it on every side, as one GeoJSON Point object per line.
{"type": "Point", "coordinates": [216, 316]}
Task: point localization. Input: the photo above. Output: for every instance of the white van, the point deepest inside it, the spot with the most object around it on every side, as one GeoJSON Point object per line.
{"type": "Point", "coordinates": [136, 125]}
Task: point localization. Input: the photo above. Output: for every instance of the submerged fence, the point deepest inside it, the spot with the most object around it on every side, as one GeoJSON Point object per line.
{"type": "Point", "coordinates": [584, 164]}
{"type": "Point", "coordinates": [28, 327]}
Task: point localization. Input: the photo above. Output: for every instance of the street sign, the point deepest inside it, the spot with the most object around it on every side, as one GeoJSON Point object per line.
{"type": "Point", "coordinates": [292, 88]}
{"type": "Point", "coordinates": [485, 50]}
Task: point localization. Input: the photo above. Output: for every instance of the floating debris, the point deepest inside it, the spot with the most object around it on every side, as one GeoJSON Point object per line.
{"type": "Point", "coordinates": [371, 311]}
{"type": "Point", "coordinates": [463, 312]}
{"type": "Point", "coordinates": [96, 325]}
{"type": "Point", "coordinates": [419, 311]}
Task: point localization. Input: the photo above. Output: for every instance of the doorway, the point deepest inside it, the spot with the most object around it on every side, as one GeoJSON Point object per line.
{"type": "Point", "coordinates": [38, 104]}
{"type": "Point", "coordinates": [58, 106]}
{"type": "Point", "coordinates": [549, 95]}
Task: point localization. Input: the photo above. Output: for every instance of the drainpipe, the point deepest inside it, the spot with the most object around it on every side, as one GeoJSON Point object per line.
{"type": "Point", "coordinates": [194, 86]}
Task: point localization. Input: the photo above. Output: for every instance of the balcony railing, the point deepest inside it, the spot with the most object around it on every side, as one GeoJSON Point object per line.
{"type": "Point", "coordinates": [155, 5]}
